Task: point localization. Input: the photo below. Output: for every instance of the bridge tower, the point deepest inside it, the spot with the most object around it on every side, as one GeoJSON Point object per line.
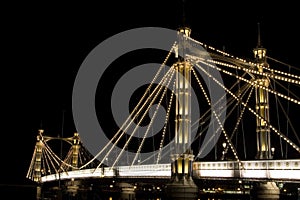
{"type": "Point", "coordinates": [262, 104]}
{"type": "Point", "coordinates": [75, 150]}
{"type": "Point", "coordinates": [74, 185]}
{"type": "Point", "coordinates": [182, 185]}
{"type": "Point", "coordinates": [37, 174]}
{"type": "Point", "coordinates": [263, 190]}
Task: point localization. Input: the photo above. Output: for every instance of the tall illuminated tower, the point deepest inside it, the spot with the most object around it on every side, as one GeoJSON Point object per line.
{"type": "Point", "coordinates": [262, 104]}
{"type": "Point", "coordinates": [182, 185]}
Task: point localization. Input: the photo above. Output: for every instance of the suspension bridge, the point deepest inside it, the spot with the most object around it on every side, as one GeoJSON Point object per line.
{"type": "Point", "coordinates": [241, 100]}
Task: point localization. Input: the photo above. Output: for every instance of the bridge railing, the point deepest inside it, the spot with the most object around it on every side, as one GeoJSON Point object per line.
{"type": "Point", "coordinates": [255, 169]}
{"type": "Point", "coordinates": [157, 171]}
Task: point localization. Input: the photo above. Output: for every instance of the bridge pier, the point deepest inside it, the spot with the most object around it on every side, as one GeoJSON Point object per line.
{"type": "Point", "coordinates": [127, 191]}
{"type": "Point", "coordinates": [182, 185]}
{"type": "Point", "coordinates": [266, 191]}
{"type": "Point", "coordinates": [185, 189]}
{"type": "Point", "coordinates": [38, 192]}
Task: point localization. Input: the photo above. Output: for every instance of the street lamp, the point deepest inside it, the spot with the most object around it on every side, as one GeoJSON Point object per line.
{"type": "Point", "coordinates": [272, 151]}
{"type": "Point", "coordinates": [224, 145]}
{"type": "Point", "coordinates": [223, 152]}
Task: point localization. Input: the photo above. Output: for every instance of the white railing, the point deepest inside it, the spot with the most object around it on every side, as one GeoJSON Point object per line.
{"type": "Point", "coordinates": [254, 169]}
{"type": "Point", "coordinates": [151, 171]}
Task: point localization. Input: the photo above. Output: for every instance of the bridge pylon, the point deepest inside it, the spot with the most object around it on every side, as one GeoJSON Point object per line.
{"type": "Point", "coordinates": [262, 105]}
{"type": "Point", "coordinates": [182, 185]}
{"type": "Point", "coordinates": [263, 190]}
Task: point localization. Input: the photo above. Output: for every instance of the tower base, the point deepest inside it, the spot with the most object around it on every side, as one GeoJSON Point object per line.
{"type": "Point", "coordinates": [266, 191]}
{"type": "Point", "coordinates": [127, 191]}
{"type": "Point", "coordinates": [182, 189]}
{"type": "Point", "coordinates": [38, 192]}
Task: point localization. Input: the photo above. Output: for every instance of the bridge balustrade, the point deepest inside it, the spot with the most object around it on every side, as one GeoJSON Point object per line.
{"type": "Point", "coordinates": [255, 169]}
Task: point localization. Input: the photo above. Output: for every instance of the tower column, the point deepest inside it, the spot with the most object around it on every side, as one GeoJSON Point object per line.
{"type": "Point", "coordinates": [75, 149]}
{"type": "Point", "coordinates": [262, 107]}
{"type": "Point", "coordinates": [263, 190]}
{"type": "Point", "coordinates": [38, 164]}
{"type": "Point", "coordinates": [182, 185]}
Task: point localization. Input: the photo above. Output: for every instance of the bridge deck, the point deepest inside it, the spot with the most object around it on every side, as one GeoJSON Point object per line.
{"type": "Point", "coordinates": [255, 169]}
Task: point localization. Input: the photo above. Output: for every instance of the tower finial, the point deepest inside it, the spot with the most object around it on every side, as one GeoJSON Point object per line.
{"type": "Point", "coordinates": [183, 14]}
{"type": "Point", "coordinates": [258, 35]}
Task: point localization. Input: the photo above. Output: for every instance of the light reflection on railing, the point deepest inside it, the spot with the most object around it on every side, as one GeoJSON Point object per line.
{"type": "Point", "coordinates": [260, 169]}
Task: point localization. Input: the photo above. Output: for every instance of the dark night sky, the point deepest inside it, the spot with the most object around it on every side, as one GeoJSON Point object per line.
{"type": "Point", "coordinates": [44, 45]}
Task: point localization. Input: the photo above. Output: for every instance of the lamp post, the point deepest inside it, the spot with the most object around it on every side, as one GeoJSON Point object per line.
{"type": "Point", "coordinates": [224, 148]}
{"type": "Point", "coordinates": [272, 151]}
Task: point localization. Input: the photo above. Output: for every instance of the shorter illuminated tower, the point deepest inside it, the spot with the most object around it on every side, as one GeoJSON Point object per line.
{"type": "Point", "coordinates": [75, 149]}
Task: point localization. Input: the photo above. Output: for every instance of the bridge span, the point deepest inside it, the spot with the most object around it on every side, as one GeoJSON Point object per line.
{"type": "Point", "coordinates": [280, 170]}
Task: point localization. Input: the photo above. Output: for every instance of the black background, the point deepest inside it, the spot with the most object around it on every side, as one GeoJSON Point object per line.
{"type": "Point", "coordinates": [44, 44]}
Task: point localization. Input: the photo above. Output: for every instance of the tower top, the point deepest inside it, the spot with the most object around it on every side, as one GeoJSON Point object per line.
{"type": "Point", "coordinates": [183, 13]}
{"type": "Point", "coordinates": [185, 30]}
{"type": "Point", "coordinates": [183, 22]}
{"type": "Point", "coordinates": [258, 36]}
{"type": "Point", "coordinates": [259, 51]}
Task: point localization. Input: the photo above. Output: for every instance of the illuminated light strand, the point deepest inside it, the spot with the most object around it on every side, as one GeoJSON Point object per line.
{"type": "Point", "coordinates": [253, 83]}
{"type": "Point", "coordinates": [244, 89]}
{"type": "Point", "coordinates": [220, 124]}
{"type": "Point", "coordinates": [148, 128]}
{"type": "Point", "coordinates": [290, 92]}
{"type": "Point", "coordinates": [56, 157]}
{"type": "Point", "coordinates": [266, 68]}
{"type": "Point", "coordinates": [32, 163]}
{"type": "Point", "coordinates": [158, 87]}
{"type": "Point", "coordinates": [280, 72]}
{"type": "Point", "coordinates": [297, 148]}
{"type": "Point", "coordinates": [53, 155]}
{"type": "Point", "coordinates": [228, 140]}
{"type": "Point", "coordinates": [201, 86]}
{"type": "Point", "coordinates": [252, 111]}
{"type": "Point", "coordinates": [216, 103]}
{"type": "Point", "coordinates": [223, 130]}
{"type": "Point", "coordinates": [67, 159]}
{"type": "Point", "coordinates": [210, 47]}
{"type": "Point", "coordinates": [270, 75]}
{"type": "Point", "coordinates": [221, 52]}
{"type": "Point", "coordinates": [239, 120]}
{"type": "Point", "coordinates": [234, 66]}
{"type": "Point", "coordinates": [46, 168]}
{"type": "Point", "coordinates": [165, 124]}
{"type": "Point", "coordinates": [150, 85]}
{"type": "Point", "coordinates": [151, 121]}
{"type": "Point", "coordinates": [285, 65]}
{"type": "Point", "coordinates": [47, 157]}
{"type": "Point", "coordinates": [124, 124]}
{"type": "Point", "coordinates": [208, 101]}
{"type": "Point", "coordinates": [46, 165]}
{"type": "Point", "coordinates": [249, 62]}
{"type": "Point", "coordinates": [289, 121]}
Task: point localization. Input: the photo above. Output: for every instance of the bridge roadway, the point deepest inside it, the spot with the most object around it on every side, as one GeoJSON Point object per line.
{"type": "Point", "coordinates": [281, 170]}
